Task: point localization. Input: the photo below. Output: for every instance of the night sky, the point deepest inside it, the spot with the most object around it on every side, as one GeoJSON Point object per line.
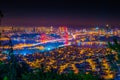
{"type": "Point", "coordinates": [59, 12]}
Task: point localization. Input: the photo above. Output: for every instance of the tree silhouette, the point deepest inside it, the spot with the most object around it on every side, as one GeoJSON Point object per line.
{"type": "Point", "coordinates": [115, 47]}
{"type": "Point", "coordinates": [1, 16]}
{"type": "Point", "coordinates": [12, 62]}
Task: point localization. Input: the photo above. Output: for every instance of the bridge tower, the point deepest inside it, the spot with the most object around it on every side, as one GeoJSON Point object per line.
{"type": "Point", "coordinates": [66, 34]}
{"type": "Point", "coordinates": [43, 37]}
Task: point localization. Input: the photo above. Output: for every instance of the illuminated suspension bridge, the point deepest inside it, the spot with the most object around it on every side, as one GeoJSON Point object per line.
{"type": "Point", "coordinates": [65, 39]}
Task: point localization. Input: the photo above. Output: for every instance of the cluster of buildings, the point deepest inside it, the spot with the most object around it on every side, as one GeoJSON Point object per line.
{"type": "Point", "coordinates": [85, 53]}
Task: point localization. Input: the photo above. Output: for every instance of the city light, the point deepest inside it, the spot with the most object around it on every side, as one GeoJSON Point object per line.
{"type": "Point", "coordinates": [63, 47]}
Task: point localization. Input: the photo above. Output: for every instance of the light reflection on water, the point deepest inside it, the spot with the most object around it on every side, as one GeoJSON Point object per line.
{"type": "Point", "coordinates": [47, 47]}
{"type": "Point", "coordinates": [32, 39]}
{"type": "Point", "coordinates": [35, 39]}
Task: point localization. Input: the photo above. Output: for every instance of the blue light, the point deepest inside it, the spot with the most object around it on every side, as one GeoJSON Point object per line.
{"type": "Point", "coordinates": [24, 54]}
{"type": "Point", "coordinates": [79, 43]}
{"type": "Point", "coordinates": [48, 48]}
{"type": "Point", "coordinates": [97, 28]}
